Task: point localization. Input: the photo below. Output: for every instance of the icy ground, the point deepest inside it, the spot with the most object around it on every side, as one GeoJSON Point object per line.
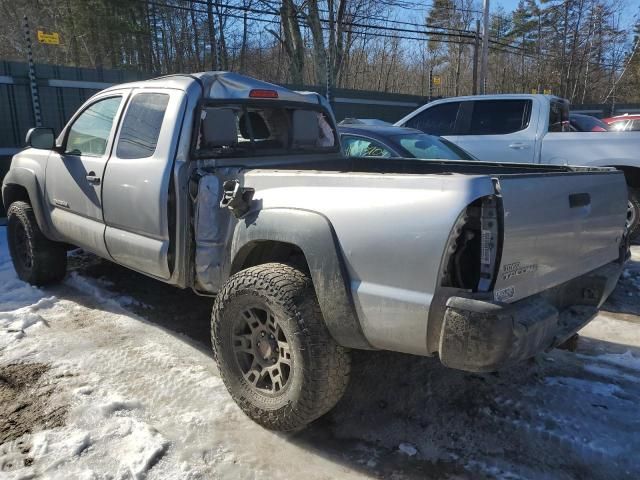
{"type": "Point", "coordinates": [110, 375]}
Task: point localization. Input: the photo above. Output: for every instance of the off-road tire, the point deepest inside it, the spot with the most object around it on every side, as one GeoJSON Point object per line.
{"type": "Point", "coordinates": [634, 227]}
{"type": "Point", "coordinates": [36, 259]}
{"type": "Point", "coordinates": [320, 367]}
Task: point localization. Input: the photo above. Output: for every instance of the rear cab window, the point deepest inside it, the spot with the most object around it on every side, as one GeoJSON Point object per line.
{"type": "Point", "coordinates": [263, 128]}
{"type": "Point", "coordinates": [498, 117]}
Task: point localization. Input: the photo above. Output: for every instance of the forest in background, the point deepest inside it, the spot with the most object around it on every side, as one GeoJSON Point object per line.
{"type": "Point", "coordinates": [583, 50]}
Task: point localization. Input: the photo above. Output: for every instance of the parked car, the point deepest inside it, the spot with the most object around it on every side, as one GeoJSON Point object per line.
{"type": "Point", "coordinates": [623, 123]}
{"type": "Point", "coordinates": [530, 129]}
{"type": "Point", "coordinates": [390, 141]}
{"type": "Point", "coordinates": [237, 188]}
{"type": "Point", "coordinates": [586, 123]}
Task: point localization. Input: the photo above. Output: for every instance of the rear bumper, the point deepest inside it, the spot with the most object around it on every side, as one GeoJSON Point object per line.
{"type": "Point", "coordinates": [482, 336]}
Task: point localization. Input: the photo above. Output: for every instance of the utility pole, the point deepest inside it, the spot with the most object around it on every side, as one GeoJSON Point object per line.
{"type": "Point", "coordinates": [476, 54]}
{"type": "Point", "coordinates": [484, 69]}
{"type": "Point", "coordinates": [328, 65]}
{"type": "Point", "coordinates": [430, 83]}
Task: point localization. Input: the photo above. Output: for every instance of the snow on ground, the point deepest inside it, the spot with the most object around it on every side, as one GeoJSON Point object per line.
{"type": "Point", "coordinates": [110, 375]}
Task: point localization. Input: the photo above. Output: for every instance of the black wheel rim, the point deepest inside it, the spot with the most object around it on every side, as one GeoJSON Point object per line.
{"type": "Point", "coordinates": [21, 245]}
{"type": "Point", "coordinates": [262, 351]}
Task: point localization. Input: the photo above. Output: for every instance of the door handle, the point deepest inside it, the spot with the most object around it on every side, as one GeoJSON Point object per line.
{"type": "Point", "coordinates": [519, 146]}
{"type": "Point", "coordinates": [92, 178]}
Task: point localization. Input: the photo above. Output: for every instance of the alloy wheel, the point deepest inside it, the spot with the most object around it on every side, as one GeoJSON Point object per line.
{"type": "Point", "coordinates": [262, 350]}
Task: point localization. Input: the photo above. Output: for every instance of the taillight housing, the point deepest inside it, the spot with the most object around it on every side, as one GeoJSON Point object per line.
{"type": "Point", "coordinates": [473, 250]}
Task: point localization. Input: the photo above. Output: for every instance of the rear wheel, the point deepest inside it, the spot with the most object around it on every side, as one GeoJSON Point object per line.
{"type": "Point", "coordinates": [36, 259]}
{"type": "Point", "coordinates": [633, 214]}
{"type": "Point", "coordinates": [273, 350]}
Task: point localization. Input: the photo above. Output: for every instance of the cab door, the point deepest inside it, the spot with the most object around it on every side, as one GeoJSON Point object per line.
{"type": "Point", "coordinates": [74, 174]}
{"type": "Point", "coordinates": [137, 180]}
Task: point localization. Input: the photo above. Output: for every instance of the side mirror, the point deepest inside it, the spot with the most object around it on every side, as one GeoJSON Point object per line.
{"type": "Point", "coordinates": [40, 137]}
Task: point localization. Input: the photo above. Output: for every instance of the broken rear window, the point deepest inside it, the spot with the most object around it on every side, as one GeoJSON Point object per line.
{"type": "Point", "coordinates": [245, 130]}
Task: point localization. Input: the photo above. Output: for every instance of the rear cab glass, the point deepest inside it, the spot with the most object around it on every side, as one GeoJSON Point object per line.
{"type": "Point", "coordinates": [263, 128]}
{"type": "Point", "coordinates": [498, 117]}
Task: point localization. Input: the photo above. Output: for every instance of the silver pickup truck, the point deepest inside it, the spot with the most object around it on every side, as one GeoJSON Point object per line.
{"type": "Point", "coordinates": [531, 129]}
{"type": "Point", "coordinates": [237, 188]}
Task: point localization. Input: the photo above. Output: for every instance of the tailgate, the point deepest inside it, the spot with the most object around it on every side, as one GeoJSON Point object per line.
{"type": "Point", "coordinates": [557, 227]}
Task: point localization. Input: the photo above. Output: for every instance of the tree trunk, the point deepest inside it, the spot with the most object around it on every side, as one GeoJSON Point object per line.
{"type": "Point", "coordinates": [212, 36]}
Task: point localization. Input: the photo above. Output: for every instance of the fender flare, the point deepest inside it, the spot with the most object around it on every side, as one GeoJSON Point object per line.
{"type": "Point", "coordinates": [315, 236]}
{"type": "Point", "coordinates": [27, 179]}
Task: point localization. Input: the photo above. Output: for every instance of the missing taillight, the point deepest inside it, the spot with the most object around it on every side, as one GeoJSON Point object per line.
{"type": "Point", "coordinates": [474, 247]}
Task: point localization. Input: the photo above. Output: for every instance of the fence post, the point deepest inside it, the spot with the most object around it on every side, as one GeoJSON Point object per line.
{"type": "Point", "coordinates": [35, 99]}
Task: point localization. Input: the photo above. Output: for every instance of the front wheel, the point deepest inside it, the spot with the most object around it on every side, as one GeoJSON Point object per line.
{"type": "Point", "coordinates": [36, 259]}
{"type": "Point", "coordinates": [273, 350]}
{"type": "Point", "coordinates": [633, 214]}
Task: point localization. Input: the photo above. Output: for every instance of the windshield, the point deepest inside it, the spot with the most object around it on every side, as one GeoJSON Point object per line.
{"type": "Point", "coordinates": [421, 145]}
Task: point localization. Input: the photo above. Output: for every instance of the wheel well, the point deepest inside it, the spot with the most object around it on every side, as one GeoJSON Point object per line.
{"type": "Point", "coordinates": [266, 251]}
{"type": "Point", "coordinates": [631, 175]}
{"type": "Point", "coordinates": [13, 193]}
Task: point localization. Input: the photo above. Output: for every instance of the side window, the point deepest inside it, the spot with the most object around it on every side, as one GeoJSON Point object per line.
{"type": "Point", "coordinates": [437, 120]}
{"type": "Point", "coordinates": [499, 117]}
{"type": "Point", "coordinates": [559, 117]}
{"type": "Point", "coordinates": [362, 147]}
{"type": "Point", "coordinates": [141, 125]}
{"type": "Point", "coordinates": [89, 133]}
{"type": "Point", "coordinates": [635, 126]}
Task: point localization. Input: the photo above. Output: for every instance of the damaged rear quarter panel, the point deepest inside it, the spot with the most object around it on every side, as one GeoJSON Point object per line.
{"type": "Point", "coordinates": [390, 230]}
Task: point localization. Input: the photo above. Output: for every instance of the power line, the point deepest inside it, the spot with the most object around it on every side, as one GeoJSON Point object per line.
{"type": "Point", "coordinates": [459, 33]}
{"type": "Point", "coordinates": [398, 33]}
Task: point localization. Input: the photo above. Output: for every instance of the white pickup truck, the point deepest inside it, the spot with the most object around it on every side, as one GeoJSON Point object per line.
{"type": "Point", "coordinates": [531, 129]}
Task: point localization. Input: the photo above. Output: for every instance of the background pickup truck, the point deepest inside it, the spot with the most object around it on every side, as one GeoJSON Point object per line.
{"type": "Point", "coordinates": [237, 188]}
{"type": "Point", "coordinates": [531, 129]}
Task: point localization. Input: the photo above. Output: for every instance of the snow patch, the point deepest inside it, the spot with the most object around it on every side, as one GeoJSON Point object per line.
{"type": "Point", "coordinates": [626, 359]}
{"type": "Point", "coordinates": [587, 386]}
{"type": "Point", "coordinates": [117, 404]}
{"type": "Point", "coordinates": [51, 448]}
{"type": "Point", "coordinates": [408, 449]}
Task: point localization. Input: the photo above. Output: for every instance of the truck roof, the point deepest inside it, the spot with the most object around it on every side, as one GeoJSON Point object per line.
{"type": "Point", "coordinates": [224, 85]}
{"type": "Point", "coordinates": [503, 96]}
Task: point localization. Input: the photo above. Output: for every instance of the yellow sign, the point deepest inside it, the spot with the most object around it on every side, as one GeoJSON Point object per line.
{"type": "Point", "coordinates": [534, 91]}
{"type": "Point", "coordinates": [547, 91]}
{"type": "Point", "coordinates": [436, 80]}
{"type": "Point", "coordinates": [52, 38]}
